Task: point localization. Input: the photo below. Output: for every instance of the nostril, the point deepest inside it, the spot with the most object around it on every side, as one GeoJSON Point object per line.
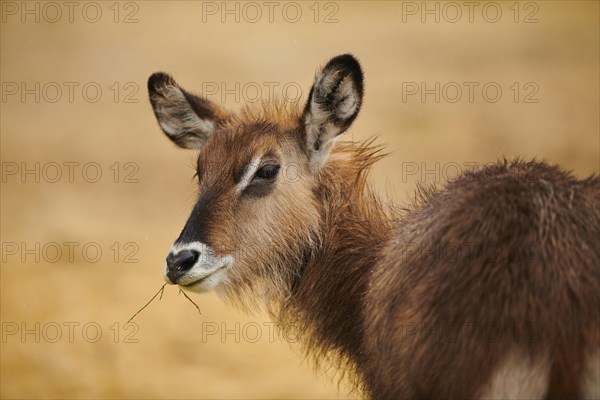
{"type": "Point", "coordinates": [186, 259]}
{"type": "Point", "coordinates": [182, 261]}
{"type": "Point", "coordinates": [171, 261]}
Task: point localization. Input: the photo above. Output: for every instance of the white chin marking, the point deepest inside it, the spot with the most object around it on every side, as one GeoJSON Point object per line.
{"type": "Point", "coordinates": [206, 284]}
{"type": "Point", "coordinates": [207, 272]}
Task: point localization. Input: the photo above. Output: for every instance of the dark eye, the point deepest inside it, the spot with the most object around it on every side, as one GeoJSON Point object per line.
{"type": "Point", "coordinates": [267, 172]}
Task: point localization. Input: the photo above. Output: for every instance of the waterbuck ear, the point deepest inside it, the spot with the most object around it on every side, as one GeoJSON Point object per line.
{"type": "Point", "coordinates": [333, 103]}
{"type": "Point", "coordinates": [187, 120]}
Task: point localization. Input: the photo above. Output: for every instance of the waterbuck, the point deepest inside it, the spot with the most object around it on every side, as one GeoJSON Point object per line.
{"type": "Point", "coordinates": [486, 288]}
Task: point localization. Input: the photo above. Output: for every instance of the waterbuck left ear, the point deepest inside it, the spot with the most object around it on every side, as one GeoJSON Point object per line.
{"type": "Point", "coordinates": [333, 104]}
{"type": "Point", "coordinates": [188, 120]}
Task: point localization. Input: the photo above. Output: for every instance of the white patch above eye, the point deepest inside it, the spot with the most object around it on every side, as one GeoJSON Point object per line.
{"type": "Point", "coordinates": [249, 172]}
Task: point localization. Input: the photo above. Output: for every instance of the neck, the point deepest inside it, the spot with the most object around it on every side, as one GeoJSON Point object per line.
{"type": "Point", "coordinates": [325, 306]}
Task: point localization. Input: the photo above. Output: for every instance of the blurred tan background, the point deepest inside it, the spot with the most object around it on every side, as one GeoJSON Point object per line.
{"type": "Point", "coordinates": [543, 56]}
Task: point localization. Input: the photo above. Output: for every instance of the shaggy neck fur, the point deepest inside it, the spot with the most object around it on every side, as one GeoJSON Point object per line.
{"type": "Point", "coordinates": [324, 306]}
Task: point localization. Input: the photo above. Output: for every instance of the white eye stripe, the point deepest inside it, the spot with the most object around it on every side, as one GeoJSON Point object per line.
{"type": "Point", "coordinates": [249, 172]}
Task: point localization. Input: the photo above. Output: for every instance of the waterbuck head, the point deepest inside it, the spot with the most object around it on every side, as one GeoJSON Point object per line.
{"type": "Point", "coordinates": [256, 215]}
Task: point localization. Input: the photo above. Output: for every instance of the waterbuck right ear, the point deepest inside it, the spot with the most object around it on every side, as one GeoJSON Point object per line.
{"type": "Point", "coordinates": [333, 104]}
{"type": "Point", "coordinates": [187, 120]}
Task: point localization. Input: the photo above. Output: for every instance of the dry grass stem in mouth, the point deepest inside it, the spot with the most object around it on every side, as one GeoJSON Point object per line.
{"type": "Point", "coordinates": [160, 291]}
{"type": "Point", "coordinates": [191, 301]}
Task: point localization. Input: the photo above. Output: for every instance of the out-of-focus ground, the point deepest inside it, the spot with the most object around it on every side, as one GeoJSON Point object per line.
{"type": "Point", "coordinates": [542, 55]}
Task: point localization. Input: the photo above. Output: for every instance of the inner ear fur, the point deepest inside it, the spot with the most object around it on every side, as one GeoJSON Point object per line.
{"type": "Point", "coordinates": [334, 102]}
{"type": "Point", "coordinates": [188, 120]}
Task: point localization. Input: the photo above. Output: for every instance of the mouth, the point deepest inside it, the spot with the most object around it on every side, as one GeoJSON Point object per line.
{"type": "Point", "coordinates": [201, 284]}
{"type": "Point", "coordinates": [194, 282]}
{"type": "Point", "coordinates": [200, 280]}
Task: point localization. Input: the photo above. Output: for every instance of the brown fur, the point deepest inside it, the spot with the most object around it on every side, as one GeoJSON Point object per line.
{"type": "Point", "coordinates": [539, 285]}
{"type": "Point", "coordinates": [427, 301]}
